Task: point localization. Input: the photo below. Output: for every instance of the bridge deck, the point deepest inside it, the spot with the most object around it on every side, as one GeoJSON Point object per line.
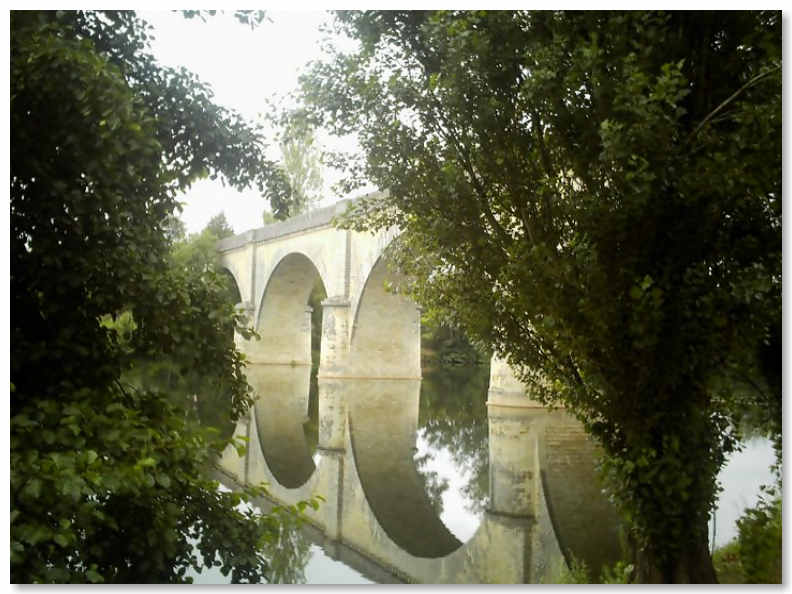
{"type": "Point", "coordinates": [310, 220]}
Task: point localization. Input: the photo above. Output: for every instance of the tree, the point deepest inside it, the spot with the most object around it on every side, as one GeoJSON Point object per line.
{"type": "Point", "coordinates": [447, 346]}
{"type": "Point", "coordinates": [108, 480]}
{"type": "Point", "coordinates": [219, 227]}
{"type": "Point", "coordinates": [597, 196]}
{"type": "Point", "coordinates": [175, 229]}
{"type": "Point", "coordinates": [760, 539]}
{"type": "Point", "coordinates": [301, 167]}
{"type": "Point", "coordinates": [200, 392]}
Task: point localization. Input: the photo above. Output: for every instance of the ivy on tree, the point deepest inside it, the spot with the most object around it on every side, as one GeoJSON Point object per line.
{"type": "Point", "coordinates": [109, 481]}
{"type": "Point", "coordinates": [596, 196]}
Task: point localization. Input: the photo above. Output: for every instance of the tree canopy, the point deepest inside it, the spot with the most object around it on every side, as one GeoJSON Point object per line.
{"type": "Point", "coordinates": [219, 227]}
{"type": "Point", "coordinates": [109, 479]}
{"type": "Point", "coordinates": [301, 166]}
{"type": "Point", "coordinates": [596, 196]}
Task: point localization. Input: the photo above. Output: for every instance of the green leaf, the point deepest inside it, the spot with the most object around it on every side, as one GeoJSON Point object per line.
{"type": "Point", "coordinates": [32, 488]}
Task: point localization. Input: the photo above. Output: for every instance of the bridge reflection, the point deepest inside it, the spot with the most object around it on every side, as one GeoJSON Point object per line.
{"type": "Point", "coordinates": [383, 419]}
{"type": "Point", "coordinates": [280, 411]}
{"type": "Point", "coordinates": [544, 502]}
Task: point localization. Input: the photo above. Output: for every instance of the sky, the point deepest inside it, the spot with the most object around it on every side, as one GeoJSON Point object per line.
{"type": "Point", "coordinates": [245, 68]}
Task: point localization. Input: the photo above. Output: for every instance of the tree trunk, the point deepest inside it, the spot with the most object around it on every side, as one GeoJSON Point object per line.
{"type": "Point", "coordinates": [693, 565]}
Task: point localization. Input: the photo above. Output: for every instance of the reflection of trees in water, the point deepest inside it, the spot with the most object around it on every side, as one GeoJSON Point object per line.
{"type": "Point", "coordinates": [433, 484]}
{"type": "Point", "coordinates": [287, 555]}
{"type": "Point", "coordinates": [284, 552]}
{"type": "Point", "coordinates": [453, 415]}
{"type": "Point", "coordinates": [204, 398]}
{"type": "Point", "coordinates": [476, 491]}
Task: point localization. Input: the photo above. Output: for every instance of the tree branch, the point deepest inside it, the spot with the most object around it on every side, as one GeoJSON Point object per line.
{"type": "Point", "coordinates": [731, 98]}
{"type": "Point", "coordinates": [448, 132]}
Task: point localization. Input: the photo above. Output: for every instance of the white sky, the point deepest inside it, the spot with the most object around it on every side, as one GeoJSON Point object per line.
{"type": "Point", "coordinates": [245, 68]}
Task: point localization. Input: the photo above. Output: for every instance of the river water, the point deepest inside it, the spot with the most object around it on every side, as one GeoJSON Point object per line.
{"type": "Point", "coordinates": [451, 456]}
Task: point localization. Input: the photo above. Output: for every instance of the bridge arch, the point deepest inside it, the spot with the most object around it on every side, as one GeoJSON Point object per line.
{"type": "Point", "coordinates": [232, 274]}
{"type": "Point", "coordinates": [385, 340]}
{"type": "Point", "coordinates": [299, 261]}
{"type": "Point", "coordinates": [283, 316]}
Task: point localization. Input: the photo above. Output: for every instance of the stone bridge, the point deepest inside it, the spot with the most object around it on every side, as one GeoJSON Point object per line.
{"type": "Point", "coordinates": [366, 330]}
{"type": "Point", "coordinates": [544, 500]}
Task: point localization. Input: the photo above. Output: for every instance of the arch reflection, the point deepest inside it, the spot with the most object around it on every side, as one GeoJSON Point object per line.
{"type": "Point", "coordinates": [536, 495]}
{"type": "Point", "coordinates": [383, 420]}
{"type": "Point", "coordinates": [282, 406]}
{"type": "Point", "coordinates": [573, 492]}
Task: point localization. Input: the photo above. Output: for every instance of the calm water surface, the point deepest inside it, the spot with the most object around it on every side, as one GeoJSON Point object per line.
{"type": "Point", "coordinates": [451, 455]}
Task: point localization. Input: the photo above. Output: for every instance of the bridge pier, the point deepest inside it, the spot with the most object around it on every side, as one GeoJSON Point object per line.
{"type": "Point", "coordinates": [505, 389]}
{"type": "Point", "coordinates": [332, 414]}
{"type": "Point", "coordinates": [517, 501]}
{"type": "Point", "coordinates": [332, 448]}
{"type": "Point", "coordinates": [335, 336]}
{"type": "Point", "coordinates": [513, 438]}
{"type": "Point", "coordinates": [513, 461]}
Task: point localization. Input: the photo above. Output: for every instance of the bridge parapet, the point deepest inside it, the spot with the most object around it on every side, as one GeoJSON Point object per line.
{"type": "Point", "coordinates": [304, 222]}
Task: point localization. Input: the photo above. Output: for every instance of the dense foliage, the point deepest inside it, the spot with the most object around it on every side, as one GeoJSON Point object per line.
{"type": "Point", "coordinates": [760, 540]}
{"type": "Point", "coordinates": [200, 392]}
{"type": "Point", "coordinates": [447, 346]}
{"type": "Point", "coordinates": [754, 557]}
{"type": "Point", "coordinates": [597, 196]}
{"type": "Point", "coordinates": [108, 479]}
